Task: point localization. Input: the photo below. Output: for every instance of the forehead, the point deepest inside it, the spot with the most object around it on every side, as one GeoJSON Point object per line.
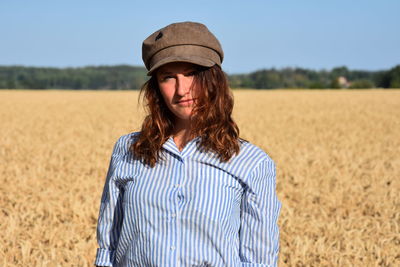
{"type": "Point", "coordinates": [176, 67]}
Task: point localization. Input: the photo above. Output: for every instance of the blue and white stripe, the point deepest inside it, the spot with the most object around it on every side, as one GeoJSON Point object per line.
{"type": "Point", "coordinates": [189, 210]}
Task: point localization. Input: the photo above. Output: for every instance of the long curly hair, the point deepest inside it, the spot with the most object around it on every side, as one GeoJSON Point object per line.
{"type": "Point", "coordinates": [211, 118]}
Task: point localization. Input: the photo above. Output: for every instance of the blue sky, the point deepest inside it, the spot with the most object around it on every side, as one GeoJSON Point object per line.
{"type": "Point", "coordinates": [315, 34]}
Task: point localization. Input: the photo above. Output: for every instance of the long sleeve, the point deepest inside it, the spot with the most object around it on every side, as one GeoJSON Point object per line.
{"type": "Point", "coordinates": [110, 214]}
{"type": "Point", "coordinates": [259, 233]}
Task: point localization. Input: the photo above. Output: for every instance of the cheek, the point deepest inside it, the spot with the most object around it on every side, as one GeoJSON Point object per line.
{"type": "Point", "coordinates": [166, 93]}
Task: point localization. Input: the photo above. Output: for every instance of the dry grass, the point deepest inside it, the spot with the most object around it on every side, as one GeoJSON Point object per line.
{"type": "Point", "coordinates": [337, 155]}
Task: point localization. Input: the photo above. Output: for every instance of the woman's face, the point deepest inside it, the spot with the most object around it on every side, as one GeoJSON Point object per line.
{"type": "Point", "coordinates": [175, 82]}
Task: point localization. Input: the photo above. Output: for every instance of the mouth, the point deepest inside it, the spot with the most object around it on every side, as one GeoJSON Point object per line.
{"type": "Point", "coordinates": [185, 101]}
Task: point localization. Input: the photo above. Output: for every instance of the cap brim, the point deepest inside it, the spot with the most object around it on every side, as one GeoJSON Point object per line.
{"type": "Point", "coordinates": [195, 54]}
{"type": "Point", "coordinates": [195, 60]}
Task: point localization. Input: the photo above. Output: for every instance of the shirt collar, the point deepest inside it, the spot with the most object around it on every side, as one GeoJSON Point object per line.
{"type": "Point", "coordinates": [189, 148]}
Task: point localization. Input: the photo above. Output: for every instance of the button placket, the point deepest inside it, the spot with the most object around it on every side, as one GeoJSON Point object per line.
{"type": "Point", "coordinates": [178, 188]}
{"type": "Point", "coordinates": [173, 216]}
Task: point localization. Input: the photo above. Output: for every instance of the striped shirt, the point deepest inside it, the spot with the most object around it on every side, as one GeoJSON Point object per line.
{"type": "Point", "coordinates": [189, 210]}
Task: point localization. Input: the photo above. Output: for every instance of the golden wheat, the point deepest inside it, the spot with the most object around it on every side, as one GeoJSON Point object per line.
{"type": "Point", "coordinates": [337, 156]}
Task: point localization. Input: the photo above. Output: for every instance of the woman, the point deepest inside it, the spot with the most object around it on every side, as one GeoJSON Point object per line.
{"type": "Point", "coordinates": [186, 190]}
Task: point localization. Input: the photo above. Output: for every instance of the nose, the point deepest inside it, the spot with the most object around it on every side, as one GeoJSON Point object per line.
{"type": "Point", "coordinates": [183, 85]}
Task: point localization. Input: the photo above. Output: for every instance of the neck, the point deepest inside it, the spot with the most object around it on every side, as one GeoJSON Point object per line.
{"type": "Point", "coordinates": [182, 135]}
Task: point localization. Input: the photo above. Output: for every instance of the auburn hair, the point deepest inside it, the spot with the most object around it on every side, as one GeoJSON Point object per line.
{"type": "Point", "coordinates": [211, 118]}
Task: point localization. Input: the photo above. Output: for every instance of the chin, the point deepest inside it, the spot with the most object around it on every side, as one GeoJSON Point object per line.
{"type": "Point", "coordinates": [183, 117]}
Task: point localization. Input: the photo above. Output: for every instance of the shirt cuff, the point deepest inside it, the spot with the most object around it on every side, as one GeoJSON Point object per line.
{"type": "Point", "coordinates": [104, 257]}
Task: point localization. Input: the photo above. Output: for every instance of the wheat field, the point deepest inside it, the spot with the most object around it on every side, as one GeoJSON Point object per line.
{"type": "Point", "coordinates": [337, 156]}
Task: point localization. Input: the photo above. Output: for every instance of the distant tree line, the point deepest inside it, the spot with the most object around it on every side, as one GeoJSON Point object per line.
{"type": "Point", "coordinates": [101, 77]}
{"type": "Point", "coordinates": [304, 78]}
{"type": "Point", "coordinates": [131, 77]}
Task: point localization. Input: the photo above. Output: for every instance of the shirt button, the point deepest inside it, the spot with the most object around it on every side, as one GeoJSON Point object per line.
{"type": "Point", "coordinates": [172, 248]}
{"type": "Point", "coordinates": [173, 215]}
{"type": "Point", "coordinates": [177, 185]}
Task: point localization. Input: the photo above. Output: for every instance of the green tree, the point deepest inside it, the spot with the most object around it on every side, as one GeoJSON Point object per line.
{"type": "Point", "coordinates": [390, 78]}
{"type": "Point", "coordinates": [361, 84]}
{"type": "Point", "coordinates": [335, 83]}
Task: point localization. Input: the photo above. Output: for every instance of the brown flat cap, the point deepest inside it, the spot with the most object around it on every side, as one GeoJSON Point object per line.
{"type": "Point", "coordinates": [184, 42]}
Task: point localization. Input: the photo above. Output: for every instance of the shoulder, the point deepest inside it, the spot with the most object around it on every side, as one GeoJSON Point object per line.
{"type": "Point", "coordinates": [260, 166]}
{"type": "Point", "coordinates": [248, 161]}
{"type": "Point", "coordinates": [124, 142]}
{"type": "Point", "coordinates": [252, 153]}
